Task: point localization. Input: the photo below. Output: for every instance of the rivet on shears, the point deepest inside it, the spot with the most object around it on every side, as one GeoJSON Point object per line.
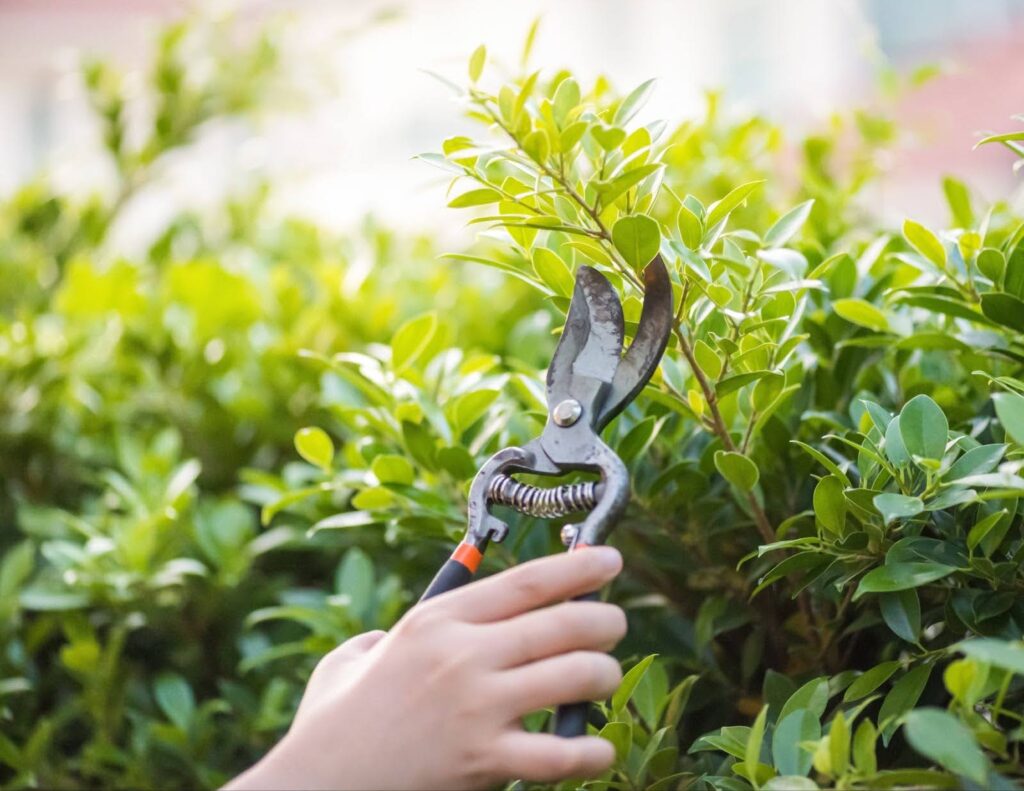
{"type": "Point", "coordinates": [569, 533]}
{"type": "Point", "coordinates": [567, 412]}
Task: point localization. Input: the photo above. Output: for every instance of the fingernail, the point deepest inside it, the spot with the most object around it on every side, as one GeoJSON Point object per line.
{"type": "Point", "coordinates": [609, 558]}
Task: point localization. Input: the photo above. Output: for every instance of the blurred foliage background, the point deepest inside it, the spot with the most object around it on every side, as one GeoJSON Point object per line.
{"type": "Point", "coordinates": [225, 453]}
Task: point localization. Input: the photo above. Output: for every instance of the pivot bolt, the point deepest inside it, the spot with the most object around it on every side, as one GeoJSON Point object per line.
{"type": "Point", "coordinates": [569, 533]}
{"type": "Point", "coordinates": [567, 412]}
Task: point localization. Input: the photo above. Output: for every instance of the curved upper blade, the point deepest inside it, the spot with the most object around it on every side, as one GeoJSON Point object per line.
{"type": "Point", "coordinates": [574, 337]}
{"type": "Point", "coordinates": [591, 342]}
{"type": "Point", "coordinates": [644, 353]}
{"type": "Point", "coordinates": [600, 355]}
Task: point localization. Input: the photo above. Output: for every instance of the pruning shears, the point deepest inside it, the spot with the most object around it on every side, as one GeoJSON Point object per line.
{"type": "Point", "coordinates": [589, 382]}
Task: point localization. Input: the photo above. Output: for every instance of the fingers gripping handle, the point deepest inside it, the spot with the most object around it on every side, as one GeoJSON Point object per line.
{"type": "Point", "coordinates": [571, 718]}
{"type": "Point", "coordinates": [456, 571]}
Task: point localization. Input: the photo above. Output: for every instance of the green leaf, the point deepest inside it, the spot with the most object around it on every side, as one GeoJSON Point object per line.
{"type": "Point", "coordinates": [708, 360]}
{"type": "Point", "coordinates": [998, 653]}
{"type": "Point", "coordinates": [636, 99]}
{"type": "Point", "coordinates": [797, 727]}
{"type": "Point", "coordinates": [839, 745]}
{"type": "Point", "coordinates": [861, 313]}
{"type": "Point", "coordinates": [980, 530]}
{"type": "Point", "coordinates": [925, 242]}
{"type": "Point", "coordinates": [901, 611]}
{"type": "Point", "coordinates": [620, 734]}
{"type": "Point", "coordinates": [901, 576]}
{"type": "Point", "coordinates": [355, 579]}
{"type": "Point", "coordinates": [991, 263]}
{"type": "Point", "coordinates": [924, 428]}
{"type": "Point", "coordinates": [788, 224]}
{"type": "Point", "coordinates": [315, 446]}
{"type": "Point", "coordinates": [567, 96]}
{"type": "Point", "coordinates": [938, 735]}
{"type": "Point", "coordinates": [897, 506]}
{"type": "Point", "coordinates": [966, 680]}
{"type": "Point", "coordinates": [552, 271]}
{"type": "Point", "coordinates": [870, 680]}
{"type": "Point", "coordinates": [392, 468]}
{"type": "Point", "coordinates": [1004, 309]}
{"type": "Point", "coordinates": [959, 200]}
{"type": "Point", "coordinates": [737, 469]}
{"type": "Point", "coordinates": [475, 197]}
{"type": "Point", "coordinates": [637, 238]}
{"type": "Point", "coordinates": [691, 228]}
{"type": "Point", "coordinates": [611, 190]}
{"type": "Point", "coordinates": [902, 698]}
{"type": "Point", "coordinates": [608, 137]}
{"type": "Point", "coordinates": [864, 748]}
{"type": "Point", "coordinates": [411, 339]}
{"type": "Point", "coordinates": [752, 753]}
{"type": "Point", "coordinates": [629, 682]}
{"type": "Point", "coordinates": [976, 461]}
{"type": "Point", "coordinates": [175, 699]}
{"type": "Point", "coordinates": [1010, 410]}
{"type": "Point", "coordinates": [812, 696]}
{"type": "Point", "coordinates": [789, 783]}
{"type": "Point", "coordinates": [476, 63]}
{"type": "Point", "coordinates": [720, 209]}
{"type": "Point", "coordinates": [830, 504]}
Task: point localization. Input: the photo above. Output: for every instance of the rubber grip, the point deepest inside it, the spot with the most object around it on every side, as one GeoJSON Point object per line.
{"type": "Point", "coordinates": [571, 718]}
{"type": "Point", "coordinates": [451, 575]}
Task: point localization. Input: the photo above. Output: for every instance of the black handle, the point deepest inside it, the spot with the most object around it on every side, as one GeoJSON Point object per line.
{"type": "Point", "coordinates": [451, 575]}
{"type": "Point", "coordinates": [456, 571]}
{"type": "Point", "coordinates": [571, 718]}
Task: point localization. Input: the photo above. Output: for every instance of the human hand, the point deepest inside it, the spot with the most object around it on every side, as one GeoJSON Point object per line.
{"type": "Point", "coordinates": [438, 701]}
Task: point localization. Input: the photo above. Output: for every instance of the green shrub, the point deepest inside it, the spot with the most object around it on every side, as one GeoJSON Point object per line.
{"type": "Point", "coordinates": [824, 545]}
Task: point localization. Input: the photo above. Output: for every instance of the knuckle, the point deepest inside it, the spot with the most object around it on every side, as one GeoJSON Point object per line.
{"type": "Point", "coordinates": [477, 765]}
{"type": "Point", "coordinates": [563, 762]}
{"type": "Point", "coordinates": [421, 619]}
{"type": "Point", "coordinates": [617, 621]}
{"type": "Point", "coordinates": [528, 583]}
{"type": "Point", "coordinates": [601, 672]}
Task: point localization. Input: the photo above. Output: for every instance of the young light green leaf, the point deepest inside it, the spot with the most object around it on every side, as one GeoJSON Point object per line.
{"type": "Point", "coordinates": [861, 313]}
{"type": "Point", "coordinates": [864, 748]}
{"type": "Point", "coordinates": [737, 469]}
{"type": "Point", "coordinates": [830, 504]}
{"type": "Point", "coordinates": [788, 224]}
{"type": "Point", "coordinates": [720, 209]}
{"type": "Point", "coordinates": [839, 744]}
{"type": "Point", "coordinates": [411, 340]}
{"type": "Point", "coordinates": [925, 242]}
{"type": "Point", "coordinates": [637, 238]}
{"type": "Point", "coordinates": [631, 105]}
{"type": "Point", "coordinates": [315, 446]}
{"type": "Point", "coordinates": [476, 63]}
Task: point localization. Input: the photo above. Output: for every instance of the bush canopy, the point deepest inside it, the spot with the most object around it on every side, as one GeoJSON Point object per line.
{"type": "Point", "coordinates": [227, 453]}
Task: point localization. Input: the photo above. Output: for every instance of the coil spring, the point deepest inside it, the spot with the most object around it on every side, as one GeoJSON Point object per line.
{"type": "Point", "coordinates": [546, 503]}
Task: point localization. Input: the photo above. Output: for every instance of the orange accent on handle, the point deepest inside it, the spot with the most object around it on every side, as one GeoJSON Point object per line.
{"type": "Point", "coordinates": [468, 555]}
{"type": "Point", "coordinates": [582, 545]}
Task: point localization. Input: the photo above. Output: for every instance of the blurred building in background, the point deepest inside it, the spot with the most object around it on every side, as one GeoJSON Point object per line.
{"type": "Point", "coordinates": [351, 153]}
